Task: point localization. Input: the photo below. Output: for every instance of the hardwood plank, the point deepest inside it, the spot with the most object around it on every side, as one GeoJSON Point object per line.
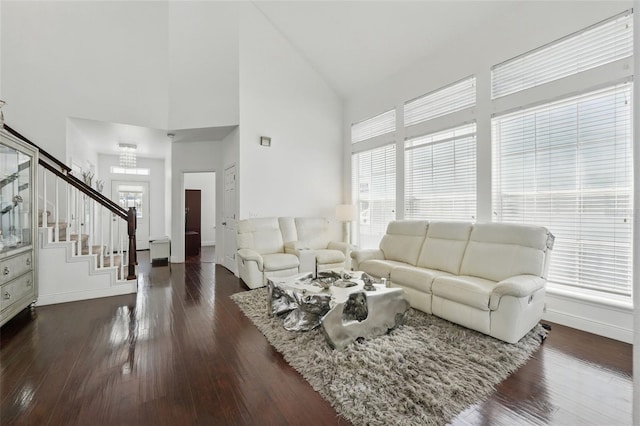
{"type": "Point", "coordinates": [181, 352]}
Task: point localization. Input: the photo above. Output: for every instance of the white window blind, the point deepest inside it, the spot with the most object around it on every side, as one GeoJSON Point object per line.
{"type": "Point", "coordinates": [452, 98]}
{"type": "Point", "coordinates": [374, 126]}
{"type": "Point", "coordinates": [374, 192]}
{"type": "Point", "coordinates": [440, 175]}
{"type": "Point", "coordinates": [597, 45]}
{"type": "Point", "coordinates": [568, 166]}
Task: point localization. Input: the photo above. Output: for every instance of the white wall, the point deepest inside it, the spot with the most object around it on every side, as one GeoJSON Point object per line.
{"type": "Point", "coordinates": [206, 183]}
{"type": "Point", "coordinates": [101, 60]}
{"type": "Point", "coordinates": [474, 53]}
{"type": "Point", "coordinates": [157, 188]}
{"type": "Point", "coordinates": [283, 97]}
{"type": "Point", "coordinates": [203, 64]}
{"type": "Point", "coordinates": [191, 157]}
{"type": "Point", "coordinates": [79, 150]}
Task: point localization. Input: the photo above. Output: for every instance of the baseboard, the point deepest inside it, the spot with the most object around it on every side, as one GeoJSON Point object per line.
{"type": "Point", "coordinates": [614, 323]}
{"type": "Point", "coordinates": [119, 289]}
{"type": "Point", "coordinates": [208, 243]}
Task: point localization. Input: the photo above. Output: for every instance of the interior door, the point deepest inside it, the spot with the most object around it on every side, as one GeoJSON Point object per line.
{"type": "Point", "coordinates": [134, 194]}
{"type": "Point", "coordinates": [229, 219]}
{"type": "Point", "coordinates": [193, 222]}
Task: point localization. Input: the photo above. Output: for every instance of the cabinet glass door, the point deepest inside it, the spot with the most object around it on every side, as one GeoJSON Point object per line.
{"type": "Point", "coordinates": [15, 199]}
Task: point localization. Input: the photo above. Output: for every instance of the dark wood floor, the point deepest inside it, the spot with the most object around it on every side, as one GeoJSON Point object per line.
{"type": "Point", "coordinates": [181, 352]}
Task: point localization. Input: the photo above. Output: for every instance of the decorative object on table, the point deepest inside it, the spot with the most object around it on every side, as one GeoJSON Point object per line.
{"type": "Point", "coordinates": [347, 213]}
{"type": "Point", "coordinates": [87, 177]}
{"type": "Point", "coordinates": [425, 372]}
{"type": "Point", "coordinates": [99, 185]}
{"type": "Point", "coordinates": [368, 282]}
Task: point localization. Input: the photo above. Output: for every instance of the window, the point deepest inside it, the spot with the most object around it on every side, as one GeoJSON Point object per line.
{"type": "Point", "coordinates": [375, 126]}
{"type": "Point", "coordinates": [597, 45]}
{"type": "Point", "coordinates": [440, 175]}
{"type": "Point", "coordinates": [129, 171]}
{"type": "Point", "coordinates": [374, 192]}
{"type": "Point", "coordinates": [455, 97]}
{"type": "Point", "coordinates": [568, 165]}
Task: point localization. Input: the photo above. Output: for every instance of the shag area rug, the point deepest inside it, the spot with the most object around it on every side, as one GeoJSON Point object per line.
{"type": "Point", "coordinates": [424, 372]}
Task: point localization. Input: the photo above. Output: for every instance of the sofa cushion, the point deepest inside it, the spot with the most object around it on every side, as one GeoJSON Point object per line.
{"type": "Point", "coordinates": [379, 268]}
{"type": "Point", "coordinates": [325, 257]}
{"type": "Point", "coordinates": [279, 261]}
{"type": "Point", "coordinates": [445, 245]}
{"type": "Point", "coordinates": [470, 291]}
{"type": "Point", "coordinates": [262, 235]}
{"type": "Point", "coordinates": [313, 232]}
{"type": "Point", "coordinates": [414, 277]}
{"type": "Point", "coordinates": [403, 240]}
{"type": "Point", "coordinates": [288, 229]}
{"type": "Point", "coordinates": [497, 251]}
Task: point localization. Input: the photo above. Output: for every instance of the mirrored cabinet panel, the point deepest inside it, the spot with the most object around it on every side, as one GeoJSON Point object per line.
{"type": "Point", "coordinates": [18, 225]}
{"type": "Point", "coordinates": [15, 199]}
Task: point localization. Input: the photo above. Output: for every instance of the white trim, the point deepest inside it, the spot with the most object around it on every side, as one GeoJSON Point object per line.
{"type": "Point", "coordinates": [118, 289]}
{"type": "Point", "coordinates": [594, 79]}
{"type": "Point", "coordinates": [454, 119]}
{"type": "Point", "coordinates": [374, 142]}
{"type": "Point", "coordinates": [614, 322]}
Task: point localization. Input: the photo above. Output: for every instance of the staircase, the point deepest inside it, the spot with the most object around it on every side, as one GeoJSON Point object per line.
{"type": "Point", "coordinates": [86, 241]}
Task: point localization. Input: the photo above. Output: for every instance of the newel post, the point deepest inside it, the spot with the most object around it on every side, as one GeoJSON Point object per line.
{"type": "Point", "coordinates": [131, 231]}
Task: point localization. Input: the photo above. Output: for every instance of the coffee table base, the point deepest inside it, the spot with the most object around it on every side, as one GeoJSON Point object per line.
{"type": "Point", "coordinates": [363, 315]}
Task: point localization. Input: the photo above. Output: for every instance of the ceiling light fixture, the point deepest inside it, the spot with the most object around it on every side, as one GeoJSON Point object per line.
{"type": "Point", "coordinates": [127, 154]}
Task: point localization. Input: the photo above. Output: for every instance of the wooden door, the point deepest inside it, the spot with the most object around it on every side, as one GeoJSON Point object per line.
{"type": "Point", "coordinates": [229, 219]}
{"type": "Point", "coordinates": [192, 218]}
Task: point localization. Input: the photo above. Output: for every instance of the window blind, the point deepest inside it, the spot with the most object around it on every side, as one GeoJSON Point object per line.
{"type": "Point", "coordinates": [374, 126]}
{"type": "Point", "coordinates": [597, 45]}
{"type": "Point", "coordinates": [444, 101]}
{"type": "Point", "coordinates": [568, 166]}
{"type": "Point", "coordinates": [440, 175]}
{"type": "Point", "coordinates": [374, 192]}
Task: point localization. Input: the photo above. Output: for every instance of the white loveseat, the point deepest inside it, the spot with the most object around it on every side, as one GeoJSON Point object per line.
{"type": "Point", "coordinates": [489, 277]}
{"type": "Point", "coordinates": [284, 246]}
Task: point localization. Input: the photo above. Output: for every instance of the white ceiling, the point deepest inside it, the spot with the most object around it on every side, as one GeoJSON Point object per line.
{"type": "Point", "coordinates": [352, 44]}
{"type": "Point", "coordinates": [151, 143]}
{"type": "Point", "coordinates": [356, 44]}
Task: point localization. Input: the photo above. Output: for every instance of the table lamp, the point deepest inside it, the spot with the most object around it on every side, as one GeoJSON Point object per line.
{"type": "Point", "coordinates": [347, 213]}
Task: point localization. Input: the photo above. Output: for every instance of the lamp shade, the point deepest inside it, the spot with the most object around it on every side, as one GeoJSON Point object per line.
{"type": "Point", "coordinates": [346, 212]}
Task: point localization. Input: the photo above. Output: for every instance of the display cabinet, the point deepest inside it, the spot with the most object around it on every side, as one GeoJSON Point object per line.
{"type": "Point", "coordinates": [18, 226]}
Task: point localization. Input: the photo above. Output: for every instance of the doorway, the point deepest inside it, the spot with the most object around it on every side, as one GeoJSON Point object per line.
{"type": "Point", "coordinates": [200, 217]}
{"type": "Point", "coordinates": [134, 194]}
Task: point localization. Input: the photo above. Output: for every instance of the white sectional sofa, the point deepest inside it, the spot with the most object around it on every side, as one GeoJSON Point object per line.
{"type": "Point", "coordinates": [284, 246]}
{"type": "Point", "coordinates": [489, 277]}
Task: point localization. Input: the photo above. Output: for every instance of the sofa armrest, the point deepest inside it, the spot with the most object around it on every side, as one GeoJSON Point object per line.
{"type": "Point", "coordinates": [359, 256]}
{"type": "Point", "coordinates": [248, 255]}
{"type": "Point", "coordinates": [293, 247]}
{"type": "Point", "coordinates": [517, 286]}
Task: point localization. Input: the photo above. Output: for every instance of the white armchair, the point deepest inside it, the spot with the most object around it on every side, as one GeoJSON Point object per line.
{"type": "Point", "coordinates": [314, 234]}
{"type": "Point", "coordinates": [261, 252]}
